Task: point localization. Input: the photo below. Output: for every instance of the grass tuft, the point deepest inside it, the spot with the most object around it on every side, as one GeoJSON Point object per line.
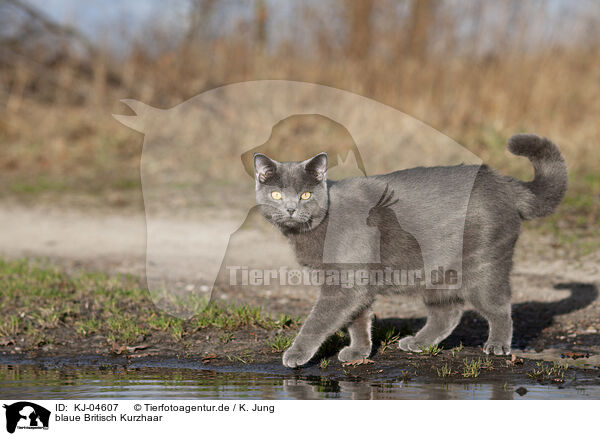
{"type": "Point", "coordinates": [280, 343]}
{"type": "Point", "coordinates": [444, 371]}
{"type": "Point", "coordinates": [555, 373]}
{"type": "Point", "coordinates": [431, 350]}
{"type": "Point", "coordinates": [455, 350]}
{"type": "Point", "coordinates": [472, 368]}
{"type": "Point", "coordinates": [324, 363]}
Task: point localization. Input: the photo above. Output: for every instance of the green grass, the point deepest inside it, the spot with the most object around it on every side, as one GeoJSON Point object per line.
{"type": "Point", "coordinates": [387, 335]}
{"type": "Point", "coordinates": [10, 326]}
{"type": "Point", "coordinates": [444, 371]}
{"type": "Point", "coordinates": [431, 350]}
{"type": "Point", "coordinates": [246, 357]}
{"type": "Point", "coordinates": [124, 184]}
{"type": "Point", "coordinates": [37, 300]}
{"type": "Point", "coordinates": [88, 326]}
{"type": "Point", "coordinates": [280, 343]}
{"type": "Point", "coordinates": [167, 323]}
{"type": "Point", "coordinates": [472, 368]}
{"type": "Point", "coordinates": [226, 338]}
{"type": "Point", "coordinates": [455, 350]}
{"type": "Point", "coordinates": [555, 373]}
{"type": "Point", "coordinates": [234, 317]}
{"type": "Point", "coordinates": [124, 329]}
{"type": "Point", "coordinates": [37, 187]}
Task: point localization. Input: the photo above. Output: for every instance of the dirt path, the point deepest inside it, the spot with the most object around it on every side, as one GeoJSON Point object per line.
{"type": "Point", "coordinates": [543, 278]}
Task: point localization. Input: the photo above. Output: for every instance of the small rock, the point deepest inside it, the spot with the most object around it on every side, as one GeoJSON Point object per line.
{"type": "Point", "coordinates": [137, 347]}
{"type": "Point", "coordinates": [573, 355]}
{"type": "Point", "coordinates": [521, 391]}
{"type": "Point", "coordinates": [208, 357]}
{"type": "Point", "coordinates": [515, 360]}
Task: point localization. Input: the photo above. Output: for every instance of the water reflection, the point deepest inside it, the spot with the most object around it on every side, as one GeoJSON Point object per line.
{"type": "Point", "coordinates": [32, 382]}
{"type": "Point", "coordinates": [359, 390]}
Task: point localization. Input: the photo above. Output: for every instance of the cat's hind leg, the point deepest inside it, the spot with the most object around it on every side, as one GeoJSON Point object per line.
{"type": "Point", "coordinates": [494, 305]}
{"type": "Point", "coordinates": [360, 338]}
{"type": "Point", "coordinates": [442, 319]}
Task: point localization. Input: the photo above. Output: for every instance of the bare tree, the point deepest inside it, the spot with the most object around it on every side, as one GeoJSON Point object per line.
{"type": "Point", "coordinates": [360, 31]}
{"type": "Point", "coordinates": [200, 14]}
{"type": "Point", "coordinates": [37, 22]}
{"type": "Point", "coordinates": [420, 27]}
{"type": "Point", "coordinates": [261, 19]}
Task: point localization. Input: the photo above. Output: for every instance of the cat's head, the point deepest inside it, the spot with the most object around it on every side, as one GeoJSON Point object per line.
{"type": "Point", "coordinates": [292, 195]}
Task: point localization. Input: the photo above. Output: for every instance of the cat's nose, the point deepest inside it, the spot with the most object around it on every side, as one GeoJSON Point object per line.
{"type": "Point", "coordinates": [291, 211]}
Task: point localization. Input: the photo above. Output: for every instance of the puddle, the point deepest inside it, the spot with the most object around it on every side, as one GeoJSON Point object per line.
{"type": "Point", "coordinates": [585, 358]}
{"type": "Point", "coordinates": [32, 382]}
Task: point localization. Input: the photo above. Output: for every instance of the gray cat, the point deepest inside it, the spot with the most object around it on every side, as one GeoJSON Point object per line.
{"type": "Point", "coordinates": [408, 220]}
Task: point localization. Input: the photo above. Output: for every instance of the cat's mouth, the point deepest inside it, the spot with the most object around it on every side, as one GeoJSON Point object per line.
{"type": "Point", "coordinates": [291, 222]}
{"type": "Point", "coordinates": [296, 224]}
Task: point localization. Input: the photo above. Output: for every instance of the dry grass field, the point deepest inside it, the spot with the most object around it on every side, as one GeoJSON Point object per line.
{"type": "Point", "coordinates": [476, 71]}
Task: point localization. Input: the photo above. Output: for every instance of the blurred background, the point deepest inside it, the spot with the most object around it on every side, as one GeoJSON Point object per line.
{"type": "Point", "coordinates": [477, 71]}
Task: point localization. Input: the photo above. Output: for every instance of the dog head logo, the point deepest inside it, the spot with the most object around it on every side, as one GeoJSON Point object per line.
{"type": "Point", "coordinates": [191, 162]}
{"type": "Point", "coordinates": [313, 134]}
{"type": "Point", "coordinates": [26, 415]}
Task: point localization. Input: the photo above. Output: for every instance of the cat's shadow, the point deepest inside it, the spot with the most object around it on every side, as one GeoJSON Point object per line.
{"type": "Point", "coordinates": [529, 319]}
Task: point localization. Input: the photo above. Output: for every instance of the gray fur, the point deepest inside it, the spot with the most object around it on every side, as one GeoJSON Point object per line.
{"type": "Point", "coordinates": [402, 208]}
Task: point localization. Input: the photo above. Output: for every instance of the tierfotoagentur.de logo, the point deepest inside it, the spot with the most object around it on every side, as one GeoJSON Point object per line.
{"type": "Point", "coordinates": [26, 416]}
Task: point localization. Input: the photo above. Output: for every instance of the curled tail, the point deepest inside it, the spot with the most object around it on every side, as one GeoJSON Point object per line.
{"type": "Point", "coordinates": [542, 195]}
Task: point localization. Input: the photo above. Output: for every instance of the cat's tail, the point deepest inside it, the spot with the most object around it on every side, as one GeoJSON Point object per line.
{"type": "Point", "coordinates": [542, 195]}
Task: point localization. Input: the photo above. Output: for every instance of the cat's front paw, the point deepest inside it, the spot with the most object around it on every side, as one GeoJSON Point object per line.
{"type": "Point", "coordinates": [496, 348]}
{"type": "Point", "coordinates": [409, 343]}
{"type": "Point", "coordinates": [295, 357]}
{"type": "Point", "coordinates": [349, 354]}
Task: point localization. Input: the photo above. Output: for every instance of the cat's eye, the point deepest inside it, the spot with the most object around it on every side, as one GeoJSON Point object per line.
{"type": "Point", "coordinates": [276, 195]}
{"type": "Point", "coordinates": [305, 195]}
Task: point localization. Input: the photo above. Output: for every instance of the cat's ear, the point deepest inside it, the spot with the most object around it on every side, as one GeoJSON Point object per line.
{"type": "Point", "coordinates": [317, 166]}
{"type": "Point", "coordinates": [264, 168]}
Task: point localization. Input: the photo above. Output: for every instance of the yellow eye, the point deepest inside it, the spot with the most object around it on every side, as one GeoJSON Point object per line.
{"type": "Point", "coordinates": [276, 195]}
{"type": "Point", "coordinates": [305, 195]}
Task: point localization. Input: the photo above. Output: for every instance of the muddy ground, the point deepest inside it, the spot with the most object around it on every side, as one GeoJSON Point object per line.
{"type": "Point", "coordinates": [248, 354]}
{"type": "Point", "coordinates": [538, 341]}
